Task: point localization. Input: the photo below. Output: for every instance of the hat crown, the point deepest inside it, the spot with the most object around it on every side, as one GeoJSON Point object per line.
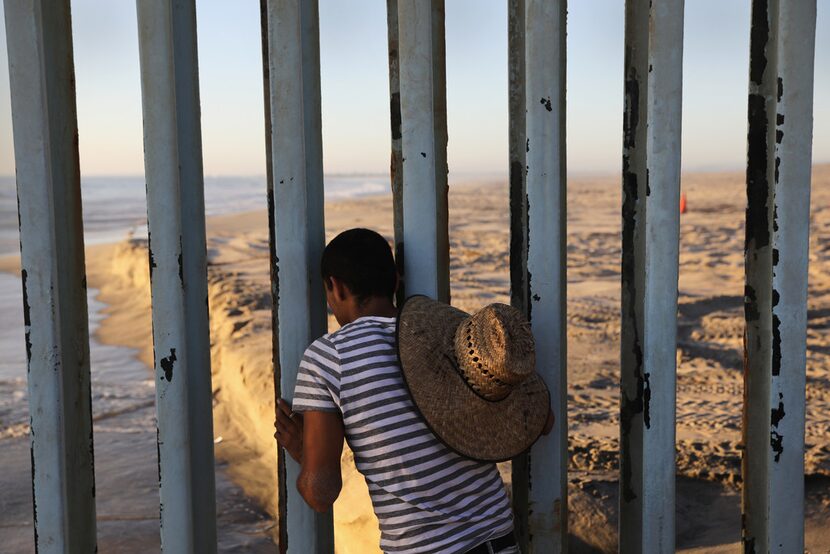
{"type": "Point", "coordinates": [495, 351]}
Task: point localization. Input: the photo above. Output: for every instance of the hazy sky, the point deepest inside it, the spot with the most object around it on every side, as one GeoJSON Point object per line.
{"type": "Point", "coordinates": [355, 86]}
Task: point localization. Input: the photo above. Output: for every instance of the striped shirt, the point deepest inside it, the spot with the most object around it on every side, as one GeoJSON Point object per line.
{"type": "Point", "coordinates": [427, 498]}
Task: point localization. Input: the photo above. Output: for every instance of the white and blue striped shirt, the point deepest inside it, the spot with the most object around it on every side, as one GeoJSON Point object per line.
{"type": "Point", "coordinates": [427, 498]}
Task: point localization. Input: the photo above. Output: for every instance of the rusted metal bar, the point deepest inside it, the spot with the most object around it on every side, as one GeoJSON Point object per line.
{"type": "Point", "coordinates": [298, 230]}
{"type": "Point", "coordinates": [518, 225]}
{"type": "Point", "coordinates": [423, 104]}
{"type": "Point", "coordinates": [178, 273]}
{"type": "Point", "coordinates": [396, 159]}
{"type": "Point", "coordinates": [282, 492]}
{"type": "Point", "coordinates": [650, 218]}
{"type": "Point", "coordinates": [45, 130]}
{"type": "Point", "coordinates": [780, 115]}
{"type": "Point", "coordinates": [517, 146]}
{"type": "Point", "coordinates": [545, 473]}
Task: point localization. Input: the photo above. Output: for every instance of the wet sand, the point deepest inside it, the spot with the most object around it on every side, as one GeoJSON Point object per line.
{"type": "Point", "coordinates": [126, 494]}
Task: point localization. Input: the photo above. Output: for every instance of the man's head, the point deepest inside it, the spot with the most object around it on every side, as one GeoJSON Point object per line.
{"type": "Point", "coordinates": [357, 269]}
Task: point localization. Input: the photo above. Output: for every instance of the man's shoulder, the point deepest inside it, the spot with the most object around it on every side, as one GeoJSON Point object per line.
{"type": "Point", "coordinates": [362, 330]}
{"type": "Point", "coordinates": [322, 352]}
{"type": "Point", "coordinates": [351, 334]}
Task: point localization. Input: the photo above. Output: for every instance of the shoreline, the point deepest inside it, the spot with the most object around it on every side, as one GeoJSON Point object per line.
{"type": "Point", "coordinates": [127, 499]}
{"type": "Point", "coordinates": [709, 382]}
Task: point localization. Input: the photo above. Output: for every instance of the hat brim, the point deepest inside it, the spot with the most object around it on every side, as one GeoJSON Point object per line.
{"type": "Point", "coordinates": [467, 423]}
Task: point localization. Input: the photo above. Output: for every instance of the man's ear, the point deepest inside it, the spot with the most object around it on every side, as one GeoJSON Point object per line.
{"type": "Point", "coordinates": [338, 288]}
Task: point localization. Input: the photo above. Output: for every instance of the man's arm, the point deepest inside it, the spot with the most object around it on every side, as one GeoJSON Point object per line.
{"type": "Point", "coordinates": [315, 440]}
{"type": "Point", "coordinates": [320, 482]}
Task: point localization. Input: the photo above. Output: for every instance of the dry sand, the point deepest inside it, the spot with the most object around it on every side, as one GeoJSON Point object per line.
{"type": "Point", "coordinates": [709, 374]}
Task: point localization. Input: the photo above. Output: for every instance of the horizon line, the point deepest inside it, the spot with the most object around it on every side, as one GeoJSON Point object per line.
{"type": "Point", "coordinates": [459, 174]}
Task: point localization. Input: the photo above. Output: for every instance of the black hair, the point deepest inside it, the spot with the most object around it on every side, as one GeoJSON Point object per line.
{"type": "Point", "coordinates": [362, 260]}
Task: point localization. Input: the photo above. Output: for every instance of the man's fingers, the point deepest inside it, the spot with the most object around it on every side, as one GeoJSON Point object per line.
{"type": "Point", "coordinates": [288, 434]}
{"type": "Point", "coordinates": [286, 438]}
{"type": "Point", "coordinates": [287, 417]}
{"type": "Point", "coordinates": [289, 429]}
{"type": "Point", "coordinates": [285, 441]}
{"type": "Point", "coordinates": [283, 417]}
{"type": "Point", "coordinates": [284, 407]}
{"type": "Point", "coordinates": [286, 426]}
{"type": "Point", "coordinates": [290, 444]}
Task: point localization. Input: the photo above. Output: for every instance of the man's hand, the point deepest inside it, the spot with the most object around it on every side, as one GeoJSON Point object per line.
{"type": "Point", "coordinates": [289, 433]}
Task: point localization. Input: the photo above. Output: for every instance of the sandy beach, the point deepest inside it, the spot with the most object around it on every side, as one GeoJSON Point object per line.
{"type": "Point", "coordinates": [709, 377]}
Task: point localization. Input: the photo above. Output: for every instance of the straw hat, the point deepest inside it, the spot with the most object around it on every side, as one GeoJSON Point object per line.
{"type": "Point", "coordinates": [473, 377]}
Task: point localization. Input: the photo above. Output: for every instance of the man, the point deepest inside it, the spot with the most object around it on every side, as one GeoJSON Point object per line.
{"type": "Point", "coordinates": [427, 496]}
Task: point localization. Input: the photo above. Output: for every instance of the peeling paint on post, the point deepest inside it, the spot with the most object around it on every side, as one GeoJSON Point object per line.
{"type": "Point", "coordinates": [176, 220]}
{"type": "Point", "coordinates": [282, 491]}
{"type": "Point", "coordinates": [396, 159]}
{"type": "Point", "coordinates": [296, 155]}
{"type": "Point", "coordinates": [517, 147]}
{"type": "Point", "coordinates": [543, 472]}
{"type": "Point", "coordinates": [650, 239]}
{"type": "Point", "coordinates": [45, 130]}
{"type": "Point", "coordinates": [777, 241]}
{"type": "Point", "coordinates": [424, 142]}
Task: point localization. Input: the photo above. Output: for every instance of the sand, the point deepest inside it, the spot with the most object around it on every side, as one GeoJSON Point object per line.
{"type": "Point", "coordinates": [709, 373]}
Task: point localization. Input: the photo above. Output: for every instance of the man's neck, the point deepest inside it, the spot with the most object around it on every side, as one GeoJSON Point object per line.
{"type": "Point", "coordinates": [374, 306]}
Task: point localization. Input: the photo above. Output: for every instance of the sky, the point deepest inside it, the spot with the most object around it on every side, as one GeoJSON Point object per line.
{"type": "Point", "coordinates": [355, 87]}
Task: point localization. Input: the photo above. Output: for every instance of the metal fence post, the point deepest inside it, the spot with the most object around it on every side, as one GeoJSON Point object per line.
{"type": "Point", "coordinates": [545, 467]}
{"type": "Point", "coordinates": [45, 129]}
{"type": "Point", "coordinates": [178, 273]}
{"type": "Point", "coordinates": [650, 238]}
{"type": "Point", "coordinates": [299, 233]}
{"type": "Point", "coordinates": [777, 243]}
{"type": "Point", "coordinates": [424, 139]}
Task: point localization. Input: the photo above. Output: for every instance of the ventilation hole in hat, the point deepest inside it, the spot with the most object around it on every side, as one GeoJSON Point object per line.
{"type": "Point", "coordinates": [472, 351]}
{"type": "Point", "coordinates": [479, 366]}
{"type": "Point", "coordinates": [469, 345]}
{"type": "Point", "coordinates": [475, 358]}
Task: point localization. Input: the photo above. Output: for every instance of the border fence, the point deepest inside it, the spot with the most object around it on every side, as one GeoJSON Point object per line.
{"type": "Point", "coordinates": [782, 46]}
